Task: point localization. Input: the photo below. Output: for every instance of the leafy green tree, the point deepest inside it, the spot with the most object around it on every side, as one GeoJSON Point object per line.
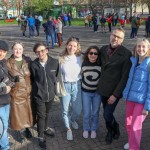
{"type": "Point", "coordinates": [5, 5]}
{"type": "Point", "coordinates": [41, 5]}
{"type": "Point", "coordinates": [147, 2]}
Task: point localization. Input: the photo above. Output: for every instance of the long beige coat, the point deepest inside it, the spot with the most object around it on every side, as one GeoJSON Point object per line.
{"type": "Point", "coordinates": [20, 112]}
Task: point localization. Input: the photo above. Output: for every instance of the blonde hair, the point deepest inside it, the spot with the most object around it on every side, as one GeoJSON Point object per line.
{"type": "Point", "coordinates": [78, 51]}
{"type": "Point", "coordinates": [17, 42]}
{"type": "Point", "coordinates": [139, 41]}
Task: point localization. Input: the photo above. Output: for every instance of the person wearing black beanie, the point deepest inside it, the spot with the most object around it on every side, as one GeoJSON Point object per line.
{"type": "Point", "coordinates": [4, 95]}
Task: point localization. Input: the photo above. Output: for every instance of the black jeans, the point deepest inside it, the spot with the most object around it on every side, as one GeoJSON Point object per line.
{"type": "Point", "coordinates": [43, 112]}
{"type": "Point", "coordinates": [37, 30]}
{"type": "Point", "coordinates": [109, 26]}
{"type": "Point", "coordinates": [108, 112]}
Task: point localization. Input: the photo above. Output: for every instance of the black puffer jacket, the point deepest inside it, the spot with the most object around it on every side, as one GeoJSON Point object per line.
{"type": "Point", "coordinates": [44, 79]}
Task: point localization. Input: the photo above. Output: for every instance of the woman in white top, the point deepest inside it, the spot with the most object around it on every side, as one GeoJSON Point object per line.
{"type": "Point", "coordinates": [70, 68]}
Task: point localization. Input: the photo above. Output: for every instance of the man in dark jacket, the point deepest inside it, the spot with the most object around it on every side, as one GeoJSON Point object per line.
{"type": "Point", "coordinates": [5, 87]}
{"type": "Point", "coordinates": [43, 73]}
{"type": "Point", "coordinates": [49, 30]}
{"type": "Point", "coordinates": [37, 25]}
{"type": "Point", "coordinates": [115, 60]}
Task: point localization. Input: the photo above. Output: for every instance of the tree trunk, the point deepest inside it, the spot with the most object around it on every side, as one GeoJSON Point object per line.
{"type": "Point", "coordinates": [149, 9]}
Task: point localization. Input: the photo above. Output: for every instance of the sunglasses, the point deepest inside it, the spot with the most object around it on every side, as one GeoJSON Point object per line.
{"type": "Point", "coordinates": [93, 53]}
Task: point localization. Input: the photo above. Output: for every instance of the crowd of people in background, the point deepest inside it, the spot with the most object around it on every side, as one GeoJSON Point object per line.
{"type": "Point", "coordinates": [96, 21]}
{"type": "Point", "coordinates": [114, 20]}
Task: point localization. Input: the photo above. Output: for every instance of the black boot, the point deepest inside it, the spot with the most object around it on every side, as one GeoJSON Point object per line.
{"type": "Point", "coordinates": [20, 137]}
{"type": "Point", "coordinates": [116, 131]}
{"type": "Point", "coordinates": [108, 138]}
{"type": "Point", "coordinates": [28, 133]}
{"type": "Point", "coordinates": [42, 143]}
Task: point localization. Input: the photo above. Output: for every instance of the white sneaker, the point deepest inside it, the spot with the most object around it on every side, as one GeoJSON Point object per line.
{"type": "Point", "coordinates": [126, 146]}
{"type": "Point", "coordinates": [69, 135]}
{"type": "Point", "coordinates": [85, 134]}
{"type": "Point", "coordinates": [74, 124]}
{"type": "Point", "coordinates": [93, 134]}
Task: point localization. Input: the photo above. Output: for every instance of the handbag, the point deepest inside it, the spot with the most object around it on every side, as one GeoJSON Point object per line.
{"type": "Point", "coordinates": [60, 88]}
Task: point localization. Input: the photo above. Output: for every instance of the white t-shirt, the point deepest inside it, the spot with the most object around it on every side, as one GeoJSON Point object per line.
{"type": "Point", "coordinates": [40, 18]}
{"type": "Point", "coordinates": [71, 68]}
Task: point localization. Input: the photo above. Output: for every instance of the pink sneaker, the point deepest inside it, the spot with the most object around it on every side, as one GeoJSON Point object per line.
{"type": "Point", "coordinates": [85, 134]}
{"type": "Point", "coordinates": [93, 134]}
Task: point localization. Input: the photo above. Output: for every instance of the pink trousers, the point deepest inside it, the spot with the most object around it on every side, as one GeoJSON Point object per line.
{"type": "Point", "coordinates": [134, 121]}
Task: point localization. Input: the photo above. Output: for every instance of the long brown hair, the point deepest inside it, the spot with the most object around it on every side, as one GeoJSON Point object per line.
{"type": "Point", "coordinates": [139, 41]}
{"type": "Point", "coordinates": [78, 51]}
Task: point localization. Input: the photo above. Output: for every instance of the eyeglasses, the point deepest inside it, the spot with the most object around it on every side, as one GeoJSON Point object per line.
{"type": "Point", "coordinates": [41, 51]}
{"type": "Point", "coordinates": [93, 53]}
{"type": "Point", "coordinates": [116, 36]}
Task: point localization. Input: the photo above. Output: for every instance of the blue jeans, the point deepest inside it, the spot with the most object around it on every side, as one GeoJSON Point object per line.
{"type": "Point", "coordinates": [91, 108]}
{"type": "Point", "coordinates": [73, 96]}
{"type": "Point", "coordinates": [48, 37]}
{"type": "Point", "coordinates": [55, 37]}
{"type": "Point", "coordinates": [31, 30]}
{"type": "Point", "coordinates": [4, 114]}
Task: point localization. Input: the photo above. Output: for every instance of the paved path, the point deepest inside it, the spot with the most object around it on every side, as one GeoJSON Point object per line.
{"type": "Point", "coordinates": [87, 37]}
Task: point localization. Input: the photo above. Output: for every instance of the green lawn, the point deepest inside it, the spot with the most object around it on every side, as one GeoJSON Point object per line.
{"type": "Point", "coordinates": [75, 22]}
{"type": "Point", "coordinates": [2, 22]}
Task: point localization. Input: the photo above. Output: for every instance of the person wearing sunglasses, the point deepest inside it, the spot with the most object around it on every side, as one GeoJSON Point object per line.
{"type": "Point", "coordinates": [43, 74]}
{"type": "Point", "coordinates": [115, 61]}
{"type": "Point", "coordinates": [91, 100]}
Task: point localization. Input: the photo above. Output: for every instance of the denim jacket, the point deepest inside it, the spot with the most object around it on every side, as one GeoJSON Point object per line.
{"type": "Point", "coordinates": [138, 85]}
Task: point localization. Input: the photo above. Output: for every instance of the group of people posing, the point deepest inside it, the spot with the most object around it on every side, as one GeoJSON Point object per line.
{"type": "Point", "coordinates": [82, 82]}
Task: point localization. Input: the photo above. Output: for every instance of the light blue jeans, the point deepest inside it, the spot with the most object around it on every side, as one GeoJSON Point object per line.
{"type": "Point", "coordinates": [91, 108]}
{"type": "Point", "coordinates": [73, 99]}
{"type": "Point", "coordinates": [48, 37]}
{"type": "Point", "coordinates": [4, 114]}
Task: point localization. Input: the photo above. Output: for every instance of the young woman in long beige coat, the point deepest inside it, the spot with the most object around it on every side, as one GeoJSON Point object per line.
{"type": "Point", "coordinates": [20, 112]}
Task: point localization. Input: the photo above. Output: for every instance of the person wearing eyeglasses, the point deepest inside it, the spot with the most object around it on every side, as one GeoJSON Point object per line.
{"type": "Point", "coordinates": [43, 74]}
{"type": "Point", "coordinates": [70, 75]}
{"type": "Point", "coordinates": [91, 100]}
{"type": "Point", "coordinates": [115, 61]}
{"type": "Point", "coordinates": [21, 118]}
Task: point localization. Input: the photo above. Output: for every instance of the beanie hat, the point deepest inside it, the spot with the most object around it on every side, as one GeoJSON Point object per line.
{"type": "Point", "coordinates": [4, 46]}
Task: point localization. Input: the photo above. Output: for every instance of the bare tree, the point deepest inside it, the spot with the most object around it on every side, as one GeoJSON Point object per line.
{"type": "Point", "coordinates": [5, 5]}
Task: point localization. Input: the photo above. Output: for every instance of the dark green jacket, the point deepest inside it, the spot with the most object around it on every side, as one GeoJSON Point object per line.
{"type": "Point", "coordinates": [115, 71]}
